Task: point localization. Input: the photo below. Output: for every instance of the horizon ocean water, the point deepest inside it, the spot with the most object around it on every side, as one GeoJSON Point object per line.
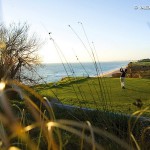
{"type": "Point", "coordinates": [56, 71]}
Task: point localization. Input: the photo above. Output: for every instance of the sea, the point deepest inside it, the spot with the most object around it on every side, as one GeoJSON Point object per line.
{"type": "Point", "coordinates": [54, 72]}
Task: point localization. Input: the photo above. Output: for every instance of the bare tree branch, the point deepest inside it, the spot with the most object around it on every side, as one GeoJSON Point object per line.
{"type": "Point", "coordinates": [20, 52]}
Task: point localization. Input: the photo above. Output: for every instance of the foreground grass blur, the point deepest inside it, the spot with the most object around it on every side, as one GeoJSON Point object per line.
{"type": "Point", "coordinates": [30, 122]}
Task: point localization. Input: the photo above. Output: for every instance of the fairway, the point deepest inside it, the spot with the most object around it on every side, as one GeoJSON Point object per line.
{"type": "Point", "coordinates": [100, 93]}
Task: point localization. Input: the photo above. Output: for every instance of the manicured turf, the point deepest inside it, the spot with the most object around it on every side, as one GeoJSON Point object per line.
{"type": "Point", "coordinates": [100, 93]}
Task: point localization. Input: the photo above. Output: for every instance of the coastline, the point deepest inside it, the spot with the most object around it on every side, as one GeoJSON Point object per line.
{"type": "Point", "coordinates": [55, 72]}
{"type": "Point", "coordinates": [110, 73]}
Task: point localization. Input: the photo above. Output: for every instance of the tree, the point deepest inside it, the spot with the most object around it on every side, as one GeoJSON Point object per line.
{"type": "Point", "coordinates": [18, 53]}
{"type": "Point", "coordinates": [144, 60]}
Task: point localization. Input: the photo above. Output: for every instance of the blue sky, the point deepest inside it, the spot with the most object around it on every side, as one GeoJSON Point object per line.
{"type": "Point", "coordinates": [118, 30]}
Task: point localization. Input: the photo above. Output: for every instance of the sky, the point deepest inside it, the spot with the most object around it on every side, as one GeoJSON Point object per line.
{"type": "Point", "coordinates": [116, 29]}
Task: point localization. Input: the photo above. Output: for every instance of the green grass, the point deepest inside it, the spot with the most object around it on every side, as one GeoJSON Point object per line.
{"type": "Point", "coordinates": [84, 92]}
{"type": "Point", "coordinates": [87, 93]}
{"type": "Point", "coordinates": [141, 63]}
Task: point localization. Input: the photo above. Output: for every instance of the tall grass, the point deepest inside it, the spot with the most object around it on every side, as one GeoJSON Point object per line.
{"type": "Point", "coordinates": [35, 127]}
{"type": "Point", "coordinates": [36, 124]}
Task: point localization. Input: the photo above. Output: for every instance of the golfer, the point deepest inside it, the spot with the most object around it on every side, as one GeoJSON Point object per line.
{"type": "Point", "coordinates": [122, 77]}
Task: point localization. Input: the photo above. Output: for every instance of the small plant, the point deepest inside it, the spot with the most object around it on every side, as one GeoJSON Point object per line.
{"type": "Point", "coordinates": [138, 103]}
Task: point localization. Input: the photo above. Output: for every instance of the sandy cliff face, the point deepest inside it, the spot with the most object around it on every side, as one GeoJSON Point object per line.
{"type": "Point", "coordinates": [135, 70]}
{"type": "Point", "coordinates": [138, 70]}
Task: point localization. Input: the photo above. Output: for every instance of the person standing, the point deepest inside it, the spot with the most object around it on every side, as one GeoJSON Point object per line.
{"type": "Point", "coordinates": [122, 77]}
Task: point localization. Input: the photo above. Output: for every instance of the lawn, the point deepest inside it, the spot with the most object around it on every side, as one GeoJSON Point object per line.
{"type": "Point", "coordinates": [90, 92]}
{"type": "Point", "coordinates": [99, 93]}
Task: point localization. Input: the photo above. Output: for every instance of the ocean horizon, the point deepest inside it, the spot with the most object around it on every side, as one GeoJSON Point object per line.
{"type": "Point", "coordinates": [53, 72]}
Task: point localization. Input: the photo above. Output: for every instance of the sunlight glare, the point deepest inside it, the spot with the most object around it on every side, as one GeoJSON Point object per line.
{"type": "Point", "coordinates": [50, 124]}
{"type": "Point", "coordinates": [13, 148]}
{"type": "Point", "coordinates": [2, 86]}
